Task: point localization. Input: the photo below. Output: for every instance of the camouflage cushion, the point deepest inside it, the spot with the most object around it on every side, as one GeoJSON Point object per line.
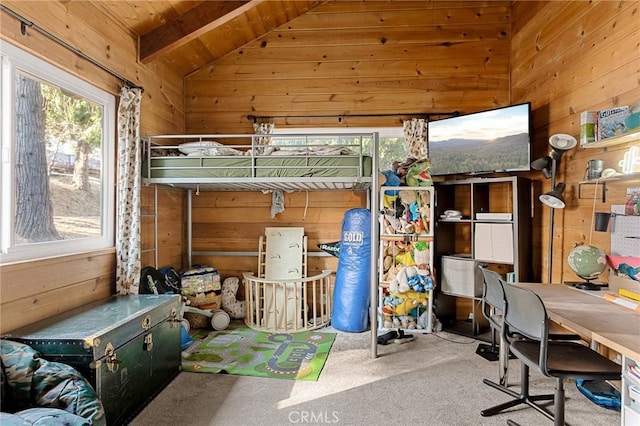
{"type": "Point", "coordinates": [42, 417]}
{"type": "Point", "coordinates": [3, 387]}
{"type": "Point", "coordinates": [31, 381]}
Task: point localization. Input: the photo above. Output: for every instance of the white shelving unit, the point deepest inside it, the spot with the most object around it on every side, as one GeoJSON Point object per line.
{"type": "Point", "coordinates": [630, 415]}
{"type": "Point", "coordinates": [406, 250]}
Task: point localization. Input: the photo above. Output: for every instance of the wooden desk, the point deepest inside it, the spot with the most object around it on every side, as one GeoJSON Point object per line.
{"type": "Point", "coordinates": [591, 316]}
{"type": "Point", "coordinates": [602, 323]}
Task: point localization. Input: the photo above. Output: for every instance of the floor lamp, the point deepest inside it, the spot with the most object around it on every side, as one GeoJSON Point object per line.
{"type": "Point", "coordinates": [560, 143]}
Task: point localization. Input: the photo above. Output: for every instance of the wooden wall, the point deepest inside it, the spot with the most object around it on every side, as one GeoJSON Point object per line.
{"type": "Point", "coordinates": [569, 57]}
{"type": "Point", "coordinates": [340, 58]}
{"type": "Point", "coordinates": [228, 222]}
{"type": "Point", "coordinates": [392, 57]}
{"type": "Point", "coordinates": [359, 58]}
{"type": "Point", "coordinates": [31, 291]}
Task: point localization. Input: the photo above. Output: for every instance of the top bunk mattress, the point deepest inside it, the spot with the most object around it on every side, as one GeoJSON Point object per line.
{"type": "Point", "coordinates": [281, 167]}
{"type": "Point", "coordinates": [310, 162]}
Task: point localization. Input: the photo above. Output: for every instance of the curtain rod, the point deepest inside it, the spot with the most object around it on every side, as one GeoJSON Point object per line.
{"type": "Point", "coordinates": [254, 118]}
{"type": "Point", "coordinates": [24, 23]}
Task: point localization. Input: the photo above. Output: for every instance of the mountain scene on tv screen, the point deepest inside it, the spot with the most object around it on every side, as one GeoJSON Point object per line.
{"type": "Point", "coordinates": [458, 155]}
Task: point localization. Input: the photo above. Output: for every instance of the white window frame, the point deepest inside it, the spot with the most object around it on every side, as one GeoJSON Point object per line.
{"type": "Point", "coordinates": [13, 58]}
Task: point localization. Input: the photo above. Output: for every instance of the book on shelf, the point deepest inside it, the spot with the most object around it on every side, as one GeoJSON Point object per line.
{"type": "Point", "coordinates": [632, 202]}
{"type": "Point", "coordinates": [634, 393]}
{"type": "Point", "coordinates": [610, 122]}
{"type": "Point", "coordinates": [587, 127]}
{"type": "Point", "coordinates": [634, 372]}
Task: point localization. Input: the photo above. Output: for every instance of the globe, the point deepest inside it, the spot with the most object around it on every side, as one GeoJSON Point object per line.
{"type": "Point", "coordinates": [587, 262]}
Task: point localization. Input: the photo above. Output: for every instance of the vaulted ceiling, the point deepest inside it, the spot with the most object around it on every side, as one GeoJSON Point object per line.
{"type": "Point", "coordinates": [191, 34]}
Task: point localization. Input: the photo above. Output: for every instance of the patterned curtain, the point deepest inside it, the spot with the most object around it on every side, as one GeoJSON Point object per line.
{"type": "Point", "coordinates": [129, 169]}
{"type": "Point", "coordinates": [277, 195]}
{"type": "Point", "coordinates": [263, 129]}
{"type": "Point", "coordinates": [415, 136]}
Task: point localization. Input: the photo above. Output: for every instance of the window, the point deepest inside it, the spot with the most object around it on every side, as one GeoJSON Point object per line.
{"type": "Point", "coordinates": [391, 145]}
{"type": "Point", "coordinates": [58, 144]}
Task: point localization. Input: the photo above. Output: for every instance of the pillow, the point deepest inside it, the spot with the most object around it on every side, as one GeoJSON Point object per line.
{"type": "Point", "coordinates": [207, 148]}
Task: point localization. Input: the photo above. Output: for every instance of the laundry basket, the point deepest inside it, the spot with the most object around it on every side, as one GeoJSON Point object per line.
{"type": "Point", "coordinates": [200, 286]}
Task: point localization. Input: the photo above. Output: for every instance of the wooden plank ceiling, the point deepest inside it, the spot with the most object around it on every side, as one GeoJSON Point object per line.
{"type": "Point", "coordinates": [191, 34]}
{"type": "Point", "coordinates": [278, 58]}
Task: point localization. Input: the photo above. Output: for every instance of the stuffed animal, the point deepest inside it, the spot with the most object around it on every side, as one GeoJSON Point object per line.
{"type": "Point", "coordinates": [235, 308]}
{"type": "Point", "coordinates": [391, 274]}
{"type": "Point", "coordinates": [419, 174]}
{"type": "Point", "coordinates": [408, 322]}
{"type": "Point", "coordinates": [401, 304]}
{"type": "Point", "coordinates": [400, 283]}
{"type": "Point", "coordinates": [423, 320]}
{"type": "Point", "coordinates": [411, 278]}
{"type": "Point", "coordinates": [391, 178]}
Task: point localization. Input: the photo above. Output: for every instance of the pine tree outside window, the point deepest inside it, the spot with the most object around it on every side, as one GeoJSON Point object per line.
{"type": "Point", "coordinates": [58, 140]}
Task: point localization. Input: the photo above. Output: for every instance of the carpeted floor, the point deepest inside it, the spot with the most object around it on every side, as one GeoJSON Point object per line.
{"type": "Point", "coordinates": [433, 380]}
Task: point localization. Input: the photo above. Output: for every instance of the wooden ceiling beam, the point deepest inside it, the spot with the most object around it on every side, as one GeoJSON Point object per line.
{"type": "Point", "coordinates": [189, 26]}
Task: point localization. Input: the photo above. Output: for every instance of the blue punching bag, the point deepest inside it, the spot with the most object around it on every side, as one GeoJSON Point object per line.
{"type": "Point", "coordinates": [351, 295]}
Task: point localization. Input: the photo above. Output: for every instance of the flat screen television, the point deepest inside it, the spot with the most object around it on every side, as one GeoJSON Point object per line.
{"type": "Point", "coordinates": [496, 140]}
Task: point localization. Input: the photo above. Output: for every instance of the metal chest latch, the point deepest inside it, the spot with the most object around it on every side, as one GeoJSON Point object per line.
{"type": "Point", "coordinates": [146, 322]}
{"type": "Point", "coordinates": [148, 342]}
{"type": "Point", "coordinates": [110, 358]}
{"type": "Point", "coordinates": [174, 316]}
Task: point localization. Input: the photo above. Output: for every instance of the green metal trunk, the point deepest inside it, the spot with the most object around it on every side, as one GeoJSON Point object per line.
{"type": "Point", "coordinates": [128, 347]}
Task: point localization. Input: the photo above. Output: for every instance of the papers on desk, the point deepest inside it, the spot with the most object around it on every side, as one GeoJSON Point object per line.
{"type": "Point", "coordinates": [622, 302]}
{"type": "Point", "coordinates": [629, 294]}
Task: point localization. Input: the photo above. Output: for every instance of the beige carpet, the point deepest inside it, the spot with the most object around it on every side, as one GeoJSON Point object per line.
{"type": "Point", "coordinates": [433, 380]}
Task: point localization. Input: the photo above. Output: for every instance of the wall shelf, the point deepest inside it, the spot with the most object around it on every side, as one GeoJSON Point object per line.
{"type": "Point", "coordinates": [618, 178]}
{"type": "Point", "coordinates": [633, 137]}
{"type": "Point", "coordinates": [617, 140]}
{"type": "Point", "coordinates": [603, 183]}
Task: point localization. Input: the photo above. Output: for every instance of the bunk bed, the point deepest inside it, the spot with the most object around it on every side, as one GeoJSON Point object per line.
{"type": "Point", "coordinates": [242, 162]}
{"type": "Point", "coordinates": [297, 162]}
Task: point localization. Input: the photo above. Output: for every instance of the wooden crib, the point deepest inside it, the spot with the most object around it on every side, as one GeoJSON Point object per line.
{"type": "Point", "coordinates": [281, 298]}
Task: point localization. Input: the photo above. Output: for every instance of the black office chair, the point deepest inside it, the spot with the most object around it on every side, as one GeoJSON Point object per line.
{"type": "Point", "coordinates": [525, 315]}
{"type": "Point", "coordinates": [493, 309]}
